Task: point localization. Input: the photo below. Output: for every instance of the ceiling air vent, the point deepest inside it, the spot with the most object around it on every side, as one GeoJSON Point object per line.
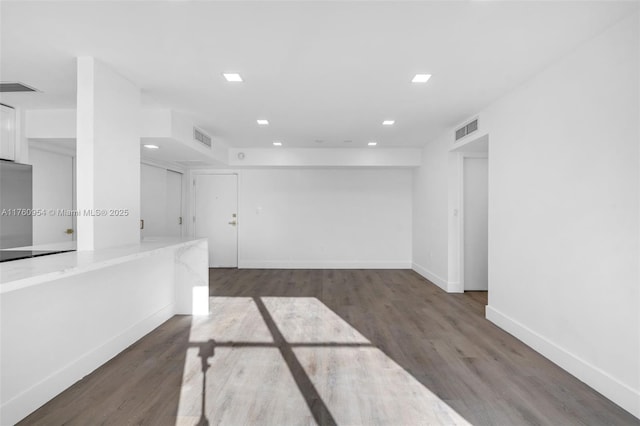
{"type": "Point", "coordinates": [201, 137]}
{"type": "Point", "coordinates": [467, 129]}
{"type": "Point", "coordinates": [15, 87]}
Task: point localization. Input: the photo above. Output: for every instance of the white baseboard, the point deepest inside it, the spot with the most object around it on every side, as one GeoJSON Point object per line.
{"type": "Point", "coordinates": [437, 280]}
{"type": "Point", "coordinates": [312, 264]}
{"type": "Point", "coordinates": [618, 392]}
{"type": "Point", "coordinates": [456, 287]}
{"type": "Point", "coordinates": [449, 287]}
{"type": "Point", "coordinates": [37, 395]}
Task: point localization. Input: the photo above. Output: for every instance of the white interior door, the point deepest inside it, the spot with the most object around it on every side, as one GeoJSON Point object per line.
{"type": "Point", "coordinates": [52, 190]}
{"type": "Point", "coordinates": [7, 132]}
{"type": "Point", "coordinates": [174, 204]}
{"type": "Point", "coordinates": [476, 223]}
{"type": "Point", "coordinates": [216, 198]}
{"type": "Point", "coordinates": [153, 200]}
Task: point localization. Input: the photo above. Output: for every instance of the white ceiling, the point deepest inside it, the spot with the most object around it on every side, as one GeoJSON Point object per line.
{"type": "Point", "coordinates": [328, 71]}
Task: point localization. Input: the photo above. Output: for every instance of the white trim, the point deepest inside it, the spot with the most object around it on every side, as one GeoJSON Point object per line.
{"type": "Point", "coordinates": [455, 287]}
{"type": "Point", "coordinates": [434, 278]}
{"type": "Point", "coordinates": [26, 402]}
{"type": "Point", "coordinates": [618, 392]}
{"type": "Point", "coordinates": [322, 264]}
{"type": "Point", "coordinates": [449, 287]}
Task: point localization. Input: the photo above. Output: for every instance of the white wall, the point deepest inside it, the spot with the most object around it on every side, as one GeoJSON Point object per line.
{"type": "Point", "coordinates": [430, 195]}
{"type": "Point", "coordinates": [563, 243]}
{"type": "Point", "coordinates": [324, 218]}
{"type": "Point", "coordinates": [563, 212]}
{"type": "Point", "coordinates": [51, 123]}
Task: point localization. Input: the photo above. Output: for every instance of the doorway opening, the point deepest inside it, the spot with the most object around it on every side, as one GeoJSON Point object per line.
{"type": "Point", "coordinates": [469, 229]}
{"type": "Point", "coordinates": [475, 222]}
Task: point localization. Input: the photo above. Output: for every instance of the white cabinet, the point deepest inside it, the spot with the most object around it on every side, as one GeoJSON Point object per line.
{"type": "Point", "coordinates": [153, 200]}
{"type": "Point", "coordinates": [8, 134]}
{"type": "Point", "coordinates": [160, 201]}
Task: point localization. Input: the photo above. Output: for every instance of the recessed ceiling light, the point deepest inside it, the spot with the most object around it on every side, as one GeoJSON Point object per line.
{"type": "Point", "coordinates": [277, 143]}
{"type": "Point", "coordinates": [421, 78]}
{"type": "Point", "coordinates": [263, 122]}
{"type": "Point", "coordinates": [347, 141]}
{"type": "Point", "coordinates": [149, 146]}
{"type": "Point", "coordinates": [372, 143]}
{"type": "Point", "coordinates": [319, 141]}
{"type": "Point", "coordinates": [232, 77]}
{"type": "Point", "coordinates": [388, 122]}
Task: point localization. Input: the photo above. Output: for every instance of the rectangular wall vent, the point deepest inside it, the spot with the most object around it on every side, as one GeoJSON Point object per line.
{"type": "Point", "coordinates": [467, 129]}
{"type": "Point", "coordinates": [6, 87]}
{"type": "Point", "coordinates": [201, 137]}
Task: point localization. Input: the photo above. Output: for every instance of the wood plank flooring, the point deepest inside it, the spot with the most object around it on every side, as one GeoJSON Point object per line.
{"type": "Point", "coordinates": [330, 347]}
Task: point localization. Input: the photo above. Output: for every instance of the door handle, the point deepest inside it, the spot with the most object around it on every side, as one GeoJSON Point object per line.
{"type": "Point", "coordinates": [233, 222]}
{"type": "Point", "coordinates": [69, 231]}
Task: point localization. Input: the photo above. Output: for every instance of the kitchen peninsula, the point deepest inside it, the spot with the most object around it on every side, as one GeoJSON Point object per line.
{"type": "Point", "coordinates": [65, 315]}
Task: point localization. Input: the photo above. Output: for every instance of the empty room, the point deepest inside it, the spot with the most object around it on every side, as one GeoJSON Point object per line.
{"type": "Point", "coordinates": [319, 212]}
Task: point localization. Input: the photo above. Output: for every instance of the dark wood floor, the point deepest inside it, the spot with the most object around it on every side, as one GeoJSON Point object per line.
{"type": "Point", "coordinates": [439, 342]}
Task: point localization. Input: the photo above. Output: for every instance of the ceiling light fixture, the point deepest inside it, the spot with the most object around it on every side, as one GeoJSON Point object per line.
{"type": "Point", "coordinates": [388, 122]}
{"type": "Point", "coordinates": [232, 77]}
{"type": "Point", "coordinates": [372, 143]}
{"type": "Point", "coordinates": [277, 143]}
{"type": "Point", "coordinates": [421, 78]}
{"type": "Point", "coordinates": [262, 122]}
{"type": "Point", "coordinates": [149, 146]}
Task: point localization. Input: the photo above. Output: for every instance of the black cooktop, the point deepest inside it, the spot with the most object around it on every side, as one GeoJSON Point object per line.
{"type": "Point", "coordinates": [7, 255]}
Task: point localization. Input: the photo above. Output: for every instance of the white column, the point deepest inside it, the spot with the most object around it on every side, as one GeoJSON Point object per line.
{"type": "Point", "coordinates": [108, 157]}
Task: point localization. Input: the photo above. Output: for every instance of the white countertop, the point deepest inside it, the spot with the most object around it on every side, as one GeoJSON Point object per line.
{"type": "Point", "coordinates": [18, 274]}
{"type": "Point", "coordinates": [67, 245]}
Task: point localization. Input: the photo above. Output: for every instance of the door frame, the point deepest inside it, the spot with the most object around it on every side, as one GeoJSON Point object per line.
{"type": "Point", "coordinates": [461, 158]}
{"type": "Point", "coordinates": [191, 181]}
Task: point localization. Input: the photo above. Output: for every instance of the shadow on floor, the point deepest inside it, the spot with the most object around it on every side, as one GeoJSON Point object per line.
{"type": "Point", "coordinates": [442, 340]}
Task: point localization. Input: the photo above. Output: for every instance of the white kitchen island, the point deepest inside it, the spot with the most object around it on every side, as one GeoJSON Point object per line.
{"type": "Point", "coordinates": [64, 315]}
